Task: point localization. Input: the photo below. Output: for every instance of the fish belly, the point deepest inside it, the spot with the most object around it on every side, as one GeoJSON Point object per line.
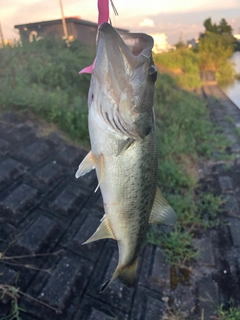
{"type": "Point", "coordinates": [128, 184]}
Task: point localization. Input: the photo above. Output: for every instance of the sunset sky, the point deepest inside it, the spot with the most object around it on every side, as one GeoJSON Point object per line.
{"type": "Point", "coordinates": [155, 16]}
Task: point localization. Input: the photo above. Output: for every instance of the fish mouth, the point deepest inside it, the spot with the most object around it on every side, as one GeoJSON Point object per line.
{"type": "Point", "coordinates": [121, 54]}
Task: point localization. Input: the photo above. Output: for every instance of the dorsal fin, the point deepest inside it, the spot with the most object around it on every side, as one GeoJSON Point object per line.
{"type": "Point", "coordinates": [162, 212]}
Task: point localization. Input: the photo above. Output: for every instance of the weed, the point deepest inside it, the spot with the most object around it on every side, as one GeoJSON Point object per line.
{"type": "Point", "coordinates": [229, 119]}
{"type": "Point", "coordinates": [11, 292]}
{"type": "Point", "coordinates": [184, 63]}
{"type": "Point", "coordinates": [237, 131]}
{"type": "Point", "coordinates": [232, 314]}
{"type": "Point", "coordinates": [174, 313]}
{"type": "Point", "coordinates": [44, 75]}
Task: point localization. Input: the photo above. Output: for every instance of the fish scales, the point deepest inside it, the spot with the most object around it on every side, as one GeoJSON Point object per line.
{"type": "Point", "coordinates": [124, 148]}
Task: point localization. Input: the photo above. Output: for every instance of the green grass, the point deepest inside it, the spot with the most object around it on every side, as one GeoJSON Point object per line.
{"type": "Point", "coordinates": [184, 134]}
{"type": "Point", "coordinates": [184, 63]}
{"type": "Point", "coordinates": [43, 77]}
{"type": "Point", "coordinates": [232, 314]}
{"type": "Point", "coordinates": [212, 54]}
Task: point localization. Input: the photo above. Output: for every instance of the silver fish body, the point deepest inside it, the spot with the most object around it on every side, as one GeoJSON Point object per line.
{"type": "Point", "coordinates": [124, 149]}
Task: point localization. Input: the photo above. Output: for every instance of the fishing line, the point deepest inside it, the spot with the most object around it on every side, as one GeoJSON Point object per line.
{"type": "Point", "coordinates": [103, 16]}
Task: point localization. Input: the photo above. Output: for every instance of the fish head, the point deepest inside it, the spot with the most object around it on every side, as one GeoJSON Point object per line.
{"type": "Point", "coordinates": [123, 76]}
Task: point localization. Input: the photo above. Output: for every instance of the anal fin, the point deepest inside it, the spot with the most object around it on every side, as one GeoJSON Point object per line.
{"type": "Point", "coordinates": [162, 212]}
{"type": "Point", "coordinates": [103, 231]}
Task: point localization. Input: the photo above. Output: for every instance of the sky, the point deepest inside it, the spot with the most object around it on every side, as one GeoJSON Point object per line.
{"type": "Point", "coordinates": [175, 18]}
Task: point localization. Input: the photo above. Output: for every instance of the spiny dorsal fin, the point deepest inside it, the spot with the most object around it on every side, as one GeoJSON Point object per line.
{"type": "Point", "coordinates": [88, 164]}
{"type": "Point", "coordinates": [162, 212]}
{"type": "Point", "coordinates": [103, 231]}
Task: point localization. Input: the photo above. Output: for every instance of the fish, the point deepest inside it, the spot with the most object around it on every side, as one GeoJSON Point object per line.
{"type": "Point", "coordinates": [123, 141]}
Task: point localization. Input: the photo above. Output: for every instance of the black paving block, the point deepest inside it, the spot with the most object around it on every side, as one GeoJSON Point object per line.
{"type": "Point", "coordinates": [26, 316]}
{"type": "Point", "coordinates": [208, 297]}
{"type": "Point", "coordinates": [95, 202]}
{"type": "Point", "coordinates": [205, 249]}
{"type": "Point", "coordinates": [225, 183]}
{"type": "Point", "coordinates": [47, 176]}
{"type": "Point", "coordinates": [34, 238]}
{"type": "Point", "coordinates": [70, 156]}
{"type": "Point", "coordinates": [147, 305]}
{"type": "Point", "coordinates": [10, 170]}
{"type": "Point", "coordinates": [59, 285]}
{"type": "Point", "coordinates": [231, 205]}
{"type": "Point", "coordinates": [66, 201]}
{"type": "Point", "coordinates": [116, 295]}
{"type": "Point", "coordinates": [13, 118]}
{"type": "Point", "coordinates": [88, 181]}
{"type": "Point", "coordinates": [234, 226]}
{"type": "Point", "coordinates": [21, 135]}
{"type": "Point", "coordinates": [18, 202]}
{"type": "Point", "coordinates": [4, 130]}
{"type": "Point", "coordinates": [62, 289]}
{"type": "Point", "coordinates": [6, 231]}
{"type": "Point", "coordinates": [92, 309]}
{"type": "Point", "coordinates": [155, 271]}
{"type": "Point", "coordinates": [235, 148]}
{"type": "Point", "coordinates": [81, 229]}
{"type": "Point", "coordinates": [35, 152]}
{"type": "Point", "coordinates": [4, 146]}
{"type": "Point", "coordinates": [8, 278]}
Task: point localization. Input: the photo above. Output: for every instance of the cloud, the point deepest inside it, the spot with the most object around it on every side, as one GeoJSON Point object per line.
{"type": "Point", "coordinates": [146, 23]}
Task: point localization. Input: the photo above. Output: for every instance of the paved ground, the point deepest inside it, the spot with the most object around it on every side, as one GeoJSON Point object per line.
{"type": "Point", "coordinates": [45, 215]}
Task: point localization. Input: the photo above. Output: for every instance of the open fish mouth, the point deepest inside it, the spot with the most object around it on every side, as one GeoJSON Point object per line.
{"type": "Point", "coordinates": [122, 54]}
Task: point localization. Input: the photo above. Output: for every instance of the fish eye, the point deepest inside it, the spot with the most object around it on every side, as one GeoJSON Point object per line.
{"type": "Point", "coordinates": [152, 71]}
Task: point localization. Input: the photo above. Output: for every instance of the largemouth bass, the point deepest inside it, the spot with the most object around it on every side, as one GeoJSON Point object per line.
{"type": "Point", "coordinates": [124, 150]}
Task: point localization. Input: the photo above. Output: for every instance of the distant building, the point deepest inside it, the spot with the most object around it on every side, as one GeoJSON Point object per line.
{"type": "Point", "coordinates": [78, 29]}
{"type": "Point", "coordinates": [237, 36]}
{"type": "Point", "coordinates": [160, 43]}
{"type": "Point", "coordinates": [193, 43]}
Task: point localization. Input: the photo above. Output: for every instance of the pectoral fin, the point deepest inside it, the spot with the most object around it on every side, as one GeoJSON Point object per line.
{"type": "Point", "coordinates": [124, 145]}
{"type": "Point", "coordinates": [162, 212]}
{"type": "Point", "coordinates": [103, 231]}
{"type": "Point", "coordinates": [88, 164]}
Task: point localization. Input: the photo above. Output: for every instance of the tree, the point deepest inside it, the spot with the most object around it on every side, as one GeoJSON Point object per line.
{"type": "Point", "coordinates": [214, 49]}
{"type": "Point", "coordinates": [222, 28]}
{"type": "Point", "coordinates": [209, 26]}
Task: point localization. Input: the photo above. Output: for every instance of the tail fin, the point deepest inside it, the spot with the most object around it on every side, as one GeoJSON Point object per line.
{"type": "Point", "coordinates": [127, 275]}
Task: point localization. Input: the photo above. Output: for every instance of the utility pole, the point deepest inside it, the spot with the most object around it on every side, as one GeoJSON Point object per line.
{"type": "Point", "coordinates": [65, 32]}
{"type": "Point", "coordinates": [1, 36]}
